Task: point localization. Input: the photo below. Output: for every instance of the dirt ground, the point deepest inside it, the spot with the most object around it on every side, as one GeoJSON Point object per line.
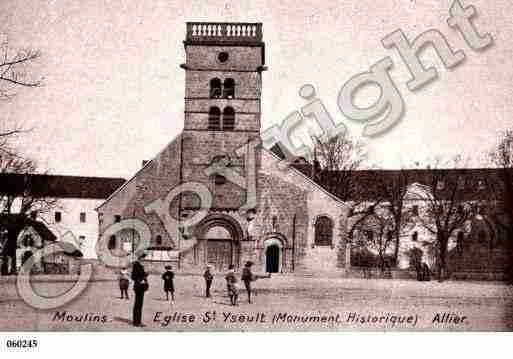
{"type": "Point", "coordinates": [283, 302]}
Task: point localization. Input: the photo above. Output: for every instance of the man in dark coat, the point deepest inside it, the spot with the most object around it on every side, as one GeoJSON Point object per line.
{"type": "Point", "coordinates": [169, 286]}
{"type": "Point", "coordinates": [248, 277]}
{"type": "Point", "coordinates": [139, 276]}
{"type": "Point", "coordinates": [209, 277]}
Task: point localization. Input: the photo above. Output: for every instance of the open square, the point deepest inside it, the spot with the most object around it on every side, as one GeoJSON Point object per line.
{"type": "Point", "coordinates": [284, 302]}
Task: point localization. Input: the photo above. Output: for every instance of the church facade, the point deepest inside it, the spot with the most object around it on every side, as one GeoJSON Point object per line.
{"type": "Point", "coordinates": [278, 218]}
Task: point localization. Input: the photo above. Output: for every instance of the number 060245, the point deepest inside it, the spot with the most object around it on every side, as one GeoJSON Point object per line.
{"type": "Point", "coordinates": [21, 343]}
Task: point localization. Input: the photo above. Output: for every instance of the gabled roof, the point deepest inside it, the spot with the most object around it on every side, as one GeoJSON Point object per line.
{"type": "Point", "coordinates": [146, 164]}
{"type": "Point", "coordinates": [57, 186]}
{"type": "Point", "coordinates": [42, 230]}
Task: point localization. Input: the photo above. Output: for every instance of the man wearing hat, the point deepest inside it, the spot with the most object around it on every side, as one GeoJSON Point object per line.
{"type": "Point", "coordinates": [209, 277]}
{"type": "Point", "coordinates": [169, 287]}
{"type": "Point", "coordinates": [247, 277]}
{"type": "Point", "coordinates": [140, 278]}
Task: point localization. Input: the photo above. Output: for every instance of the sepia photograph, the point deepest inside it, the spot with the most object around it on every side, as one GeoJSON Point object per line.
{"type": "Point", "coordinates": [263, 166]}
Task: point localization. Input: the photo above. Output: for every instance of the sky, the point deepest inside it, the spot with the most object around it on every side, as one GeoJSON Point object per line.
{"type": "Point", "coordinates": [113, 90]}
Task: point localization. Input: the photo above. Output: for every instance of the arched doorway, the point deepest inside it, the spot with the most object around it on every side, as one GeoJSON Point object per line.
{"type": "Point", "coordinates": [272, 259]}
{"type": "Point", "coordinates": [220, 247]}
{"type": "Point", "coordinates": [274, 254]}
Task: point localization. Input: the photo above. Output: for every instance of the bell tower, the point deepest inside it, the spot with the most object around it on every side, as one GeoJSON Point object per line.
{"type": "Point", "coordinates": [223, 84]}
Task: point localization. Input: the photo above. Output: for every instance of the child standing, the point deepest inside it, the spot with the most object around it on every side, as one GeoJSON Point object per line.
{"type": "Point", "coordinates": [123, 283]}
{"type": "Point", "coordinates": [209, 277]}
{"type": "Point", "coordinates": [169, 287]}
{"type": "Point", "coordinates": [231, 285]}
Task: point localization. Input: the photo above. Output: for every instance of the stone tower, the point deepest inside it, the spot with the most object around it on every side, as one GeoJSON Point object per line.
{"type": "Point", "coordinates": [223, 82]}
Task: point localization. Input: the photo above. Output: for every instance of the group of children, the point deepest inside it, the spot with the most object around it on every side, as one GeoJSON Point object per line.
{"type": "Point", "coordinates": [231, 282]}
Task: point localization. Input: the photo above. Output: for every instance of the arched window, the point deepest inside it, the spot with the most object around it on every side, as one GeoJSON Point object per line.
{"type": "Point", "coordinates": [112, 242]}
{"type": "Point", "coordinates": [229, 88]}
{"type": "Point", "coordinates": [214, 118]}
{"type": "Point", "coordinates": [158, 240]}
{"type": "Point", "coordinates": [215, 88]}
{"type": "Point", "coordinates": [228, 119]}
{"type": "Point", "coordinates": [323, 231]}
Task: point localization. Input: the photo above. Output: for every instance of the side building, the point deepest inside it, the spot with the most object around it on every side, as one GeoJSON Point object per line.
{"type": "Point", "coordinates": [62, 208]}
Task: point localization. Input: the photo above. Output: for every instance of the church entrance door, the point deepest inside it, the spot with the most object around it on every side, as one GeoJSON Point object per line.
{"type": "Point", "coordinates": [272, 259]}
{"type": "Point", "coordinates": [221, 248]}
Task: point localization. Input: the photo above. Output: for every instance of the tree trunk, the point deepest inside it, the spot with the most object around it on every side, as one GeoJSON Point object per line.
{"type": "Point", "coordinates": [442, 258]}
{"type": "Point", "coordinates": [396, 250]}
{"type": "Point", "coordinates": [11, 244]}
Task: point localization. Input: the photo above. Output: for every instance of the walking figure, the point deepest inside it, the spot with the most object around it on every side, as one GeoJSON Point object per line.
{"type": "Point", "coordinates": [140, 279]}
{"type": "Point", "coordinates": [231, 285]}
{"type": "Point", "coordinates": [169, 287]}
{"type": "Point", "coordinates": [124, 283]}
{"type": "Point", "coordinates": [248, 277]}
{"type": "Point", "coordinates": [209, 277]}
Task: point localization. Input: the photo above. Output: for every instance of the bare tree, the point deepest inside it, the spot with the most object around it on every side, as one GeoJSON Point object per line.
{"type": "Point", "coordinates": [338, 164]}
{"type": "Point", "coordinates": [19, 200]}
{"type": "Point", "coordinates": [375, 232]}
{"type": "Point", "coordinates": [448, 206]}
{"type": "Point", "coordinates": [14, 74]}
{"type": "Point", "coordinates": [335, 161]}
{"type": "Point", "coordinates": [393, 186]}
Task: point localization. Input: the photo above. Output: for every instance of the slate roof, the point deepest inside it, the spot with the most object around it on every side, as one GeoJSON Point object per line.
{"type": "Point", "coordinates": [56, 186]}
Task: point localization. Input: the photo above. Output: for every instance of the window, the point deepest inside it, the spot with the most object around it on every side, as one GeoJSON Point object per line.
{"type": "Point", "coordinates": [112, 242]}
{"type": "Point", "coordinates": [158, 240]}
{"type": "Point", "coordinates": [481, 185]}
{"type": "Point", "coordinates": [219, 179]}
{"type": "Point", "coordinates": [117, 218]}
{"type": "Point", "coordinates": [26, 241]}
{"type": "Point", "coordinates": [214, 119]}
{"type": "Point", "coordinates": [223, 57]}
{"type": "Point", "coordinates": [440, 185]}
{"type": "Point", "coordinates": [415, 236]}
{"type": "Point", "coordinates": [323, 231]}
{"type": "Point", "coordinates": [228, 119]}
{"type": "Point", "coordinates": [370, 235]}
{"type": "Point", "coordinates": [58, 217]}
{"type": "Point", "coordinates": [82, 217]}
{"type": "Point", "coordinates": [81, 241]}
{"type": "Point", "coordinates": [390, 235]}
{"type": "Point", "coordinates": [215, 88]}
{"type": "Point", "coordinates": [275, 223]}
{"type": "Point", "coordinates": [229, 88]}
{"type": "Point", "coordinates": [415, 210]}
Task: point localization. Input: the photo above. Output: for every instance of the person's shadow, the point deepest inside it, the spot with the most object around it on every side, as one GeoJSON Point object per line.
{"type": "Point", "coordinates": [126, 321]}
{"type": "Point", "coordinates": [222, 303]}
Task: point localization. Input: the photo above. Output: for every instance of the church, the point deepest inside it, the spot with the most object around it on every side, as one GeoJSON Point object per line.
{"type": "Point", "coordinates": [279, 219]}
